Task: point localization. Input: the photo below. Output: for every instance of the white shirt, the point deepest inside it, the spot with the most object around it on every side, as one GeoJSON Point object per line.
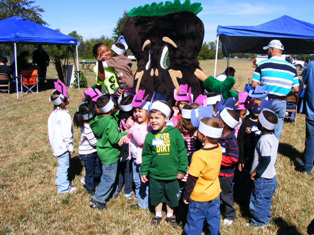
{"type": "Point", "coordinates": [88, 140]}
{"type": "Point", "coordinates": [221, 77]}
{"type": "Point", "coordinates": [60, 132]}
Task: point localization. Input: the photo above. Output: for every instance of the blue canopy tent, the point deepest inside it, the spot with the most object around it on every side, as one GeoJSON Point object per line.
{"type": "Point", "coordinates": [17, 30]}
{"type": "Point", "coordinates": [297, 36]}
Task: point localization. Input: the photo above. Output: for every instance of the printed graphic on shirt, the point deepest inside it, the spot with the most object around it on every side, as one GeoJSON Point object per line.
{"type": "Point", "coordinates": [162, 143]}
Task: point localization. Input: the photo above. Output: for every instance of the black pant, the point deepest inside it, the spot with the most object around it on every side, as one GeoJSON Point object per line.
{"type": "Point", "coordinates": [226, 197]}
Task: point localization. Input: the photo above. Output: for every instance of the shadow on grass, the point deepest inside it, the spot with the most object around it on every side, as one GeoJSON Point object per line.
{"type": "Point", "coordinates": [76, 168]}
{"type": "Point", "coordinates": [290, 152]}
{"type": "Point", "coordinates": [285, 228]}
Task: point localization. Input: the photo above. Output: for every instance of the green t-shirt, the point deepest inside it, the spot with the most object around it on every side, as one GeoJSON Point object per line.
{"type": "Point", "coordinates": [111, 81]}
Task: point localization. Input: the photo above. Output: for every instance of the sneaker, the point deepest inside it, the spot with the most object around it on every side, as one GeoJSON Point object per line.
{"type": "Point", "coordinates": [72, 190]}
{"type": "Point", "coordinates": [156, 220]}
{"type": "Point", "coordinates": [172, 221]}
{"type": "Point", "coordinates": [83, 180]}
{"type": "Point", "coordinates": [135, 206]}
{"type": "Point", "coordinates": [97, 205]}
{"type": "Point", "coordinates": [256, 225]}
{"type": "Point", "coordinates": [129, 197]}
{"type": "Point", "coordinates": [227, 222]}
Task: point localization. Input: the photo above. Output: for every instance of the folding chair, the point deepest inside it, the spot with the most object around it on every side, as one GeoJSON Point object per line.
{"type": "Point", "coordinates": [29, 80]}
{"type": "Point", "coordinates": [4, 82]}
{"type": "Point", "coordinates": [292, 106]}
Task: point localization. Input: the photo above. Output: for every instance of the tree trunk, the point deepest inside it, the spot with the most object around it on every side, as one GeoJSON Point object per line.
{"type": "Point", "coordinates": [58, 66]}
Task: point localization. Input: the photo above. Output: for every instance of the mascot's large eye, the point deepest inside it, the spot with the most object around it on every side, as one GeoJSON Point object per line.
{"type": "Point", "coordinates": [164, 60]}
{"type": "Point", "coordinates": [147, 67]}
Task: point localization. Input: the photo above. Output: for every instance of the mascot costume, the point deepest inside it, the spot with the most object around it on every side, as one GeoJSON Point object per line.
{"type": "Point", "coordinates": [165, 39]}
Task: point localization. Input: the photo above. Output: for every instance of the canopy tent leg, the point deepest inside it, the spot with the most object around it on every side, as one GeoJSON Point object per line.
{"type": "Point", "coordinates": [77, 67]}
{"type": "Point", "coordinates": [216, 58]}
{"type": "Point", "coordinates": [228, 61]}
{"type": "Point", "coordinates": [16, 75]}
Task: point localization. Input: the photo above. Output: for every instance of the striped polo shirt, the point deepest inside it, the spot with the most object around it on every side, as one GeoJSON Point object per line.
{"type": "Point", "coordinates": [278, 75]}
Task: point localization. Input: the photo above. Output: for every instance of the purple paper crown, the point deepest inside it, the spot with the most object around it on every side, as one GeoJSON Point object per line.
{"type": "Point", "coordinates": [201, 100]}
{"type": "Point", "coordinates": [242, 98]}
{"type": "Point", "coordinates": [59, 86]}
{"type": "Point", "coordinates": [184, 93]}
{"type": "Point", "coordinates": [139, 98]}
{"type": "Point", "coordinates": [93, 94]}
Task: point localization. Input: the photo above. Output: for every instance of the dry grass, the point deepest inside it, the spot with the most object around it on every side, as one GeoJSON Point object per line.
{"type": "Point", "coordinates": [29, 202]}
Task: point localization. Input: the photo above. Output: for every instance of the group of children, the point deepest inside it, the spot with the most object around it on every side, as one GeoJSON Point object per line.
{"type": "Point", "coordinates": [189, 157]}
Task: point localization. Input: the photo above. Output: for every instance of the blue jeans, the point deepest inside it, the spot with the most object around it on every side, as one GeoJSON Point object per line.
{"type": "Point", "coordinates": [198, 212]}
{"type": "Point", "coordinates": [92, 169]}
{"type": "Point", "coordinates": [62, 181]}
{"type": "Point", "coordinates": [308, 156]}
{"type": "Point", "coordinates": [124, 177]}
{"type": "Point", "coordinates": [279, 107]}
{"type": "Point", "coordinates": [261, 200]}
{"type": "Point", "coordinates": [141, 190]}
{"type": "Point", "coordinates": [107, 182]}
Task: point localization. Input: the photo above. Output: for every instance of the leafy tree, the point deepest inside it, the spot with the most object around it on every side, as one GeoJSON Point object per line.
{"type": "Point", "coordinates": [22, 8]}
{"type": "Point", "coordinates": [117, 31]}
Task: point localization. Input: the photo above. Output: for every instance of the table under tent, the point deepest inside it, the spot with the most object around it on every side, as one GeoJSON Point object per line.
{"type": "Point", "coordinates": [17, 30]}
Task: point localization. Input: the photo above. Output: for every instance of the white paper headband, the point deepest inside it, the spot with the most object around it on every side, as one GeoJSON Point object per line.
{"type": "Point", "coordinates": [160, 106]}
{"type": "Point", "coordinates": [57, 101]}
{"type": "Point", "coordinates": [107, 107]}
{"type": "Point", "coordinates": [186, 113]}
{"type": "Point", "coordinates": [117, 50]}
{"type": "Point", "coordinates": [124, 107]}
{"type": "Point", "coordinates": [228, 119]}
{"type": "Point", "coordinates": [213, 99]}
{"type": "Point", "coordinates": [87, 116]}
{"type": "Point", "coordinates": [268, 125]}
{"type": "Point", "coordinates": [210, 131]}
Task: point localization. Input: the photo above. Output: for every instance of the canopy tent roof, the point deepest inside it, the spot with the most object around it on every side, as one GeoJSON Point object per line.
{"type": "Point", "coordinates": [297, 36]}
{"type": "Point", "coordinates": [16, 29]}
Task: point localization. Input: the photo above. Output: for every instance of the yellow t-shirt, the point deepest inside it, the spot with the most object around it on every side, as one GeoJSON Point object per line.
{"type": "Point", "coordinates": [111, 81]}
{"type": "Point", "coordinates": [206, 166]}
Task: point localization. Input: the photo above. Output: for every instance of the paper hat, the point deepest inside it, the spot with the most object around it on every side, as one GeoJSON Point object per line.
{"type": "Point", "coordinates": [228, 119]}
{"type": "Point", "coordinates": [210, 131]}
{"type": "Point", "coordinates": [184, 93]}
{"type": "Point", "coordinates": [60, 87]}
{"type": "Point", "coordinates": [268, 125]}
{"type": "Point", "coordinates": [202, 113]}
{"type": "Point", "coordinates": [127, 107]}
{"type": "Point", "coordinates": [201, 100]}
{"type": "Point", "coordinates": [93, 94]}
{"type": "Point", "coordinates": [187, 113]}
{"type": "Point", "coordinates": [107, 107]}
{"type": "Point", "coordinates": [265, 104]}
{"type": "Point", "coordinates": [212, 100]}
{"type": "Point", "coordinates": [274, 44]}
{"type": "Point", "coordinates": [117, 50]}
{"type": "Point", "coordinates": [242, 97]}
{"type": "Point", "coordinates": [139, 101]}
{"type": "Point", "coordinates": [259, 92]}
{"type": "Point", "coordinates": [229, 103]}
{"type": "Point", "coordinates": [86, 116]}
{"type": "Point", "coordinates": [162, 107]}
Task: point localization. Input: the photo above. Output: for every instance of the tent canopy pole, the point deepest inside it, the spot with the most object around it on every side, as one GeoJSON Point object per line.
{"type": "Point", "coordinates": [216, 58]}
{"type": "Point", "coordinates": [77, 66]}
{"type": "Point", "coordinates": [16, 75]}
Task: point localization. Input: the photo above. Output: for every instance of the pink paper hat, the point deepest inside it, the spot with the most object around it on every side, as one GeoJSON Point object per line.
{"type": "Point", "coordinates": [59, 86]}
{"type": "Point", "coordinates": [242, 97]}
{"type": "Point", "coordinates": [184, 93]}
{"type": "Point", "coordinates": [139, 99]}
{"type": "Point", "coordinates": [201, 100]}
{"type": "Point", "coordinates": [93, 94]}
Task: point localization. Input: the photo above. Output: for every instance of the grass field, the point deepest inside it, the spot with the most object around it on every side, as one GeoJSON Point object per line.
{"type": "Point", "coordinates": [29, 203]}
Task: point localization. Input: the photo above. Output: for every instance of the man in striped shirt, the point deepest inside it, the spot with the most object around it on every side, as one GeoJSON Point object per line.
{"type": "Point", "coordinates": [280, 78]}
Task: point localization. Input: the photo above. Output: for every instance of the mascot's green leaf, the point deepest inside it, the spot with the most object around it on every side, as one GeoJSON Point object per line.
{"type": "Point", "coordinates": [161, 9]}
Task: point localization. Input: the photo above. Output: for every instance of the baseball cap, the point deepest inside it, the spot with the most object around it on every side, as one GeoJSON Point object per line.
{"type": "Point", "coordinates": [274, 44]}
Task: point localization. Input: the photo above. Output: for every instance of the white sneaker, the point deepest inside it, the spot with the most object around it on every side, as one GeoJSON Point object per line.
{"type": "Point", "coordinates": [72, 190]}
{"type": "Point", "coordinates": [227, 222]}
{"type": "Point", "coordinates": [83, 180]}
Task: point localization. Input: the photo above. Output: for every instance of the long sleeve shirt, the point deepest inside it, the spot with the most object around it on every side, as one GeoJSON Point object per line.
{"type": "Point", "coordinates": [88, 140]}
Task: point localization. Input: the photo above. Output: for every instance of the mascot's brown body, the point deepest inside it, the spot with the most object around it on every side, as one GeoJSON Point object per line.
{"type": "Point", "coordinates": [166, 49]}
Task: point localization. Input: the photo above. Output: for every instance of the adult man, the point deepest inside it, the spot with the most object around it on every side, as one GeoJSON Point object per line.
{"type": "Point", "coordinates": [41, 59]}
{"type": "Point", "coordinates": [3, 66]}
{"type": "Point", "coordinates": [280, 78]}
{"type": "Point", "coordinates": [308, 157]}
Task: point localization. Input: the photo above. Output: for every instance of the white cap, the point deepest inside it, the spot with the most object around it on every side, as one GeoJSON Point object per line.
{"type": "Point", "coordinates": [274, 44]}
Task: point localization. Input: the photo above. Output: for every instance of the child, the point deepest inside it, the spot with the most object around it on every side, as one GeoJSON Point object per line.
{"type": "Point", "coordinates": [230, 155]}
{"type": "Point", "coordinates": [136, 138]}
{"type": "Point", "coordinates": [263, 171]}
{"type": "Point", "coordinates": [183, 96]}
{"type": "Point", "coordinates": [165, 159]}
{"type": "Point", "coordinates": [124, 166]}
{"type": "Point", "coordinates": [241, 109]}
{"type": "Point", "coordinates": [61, 138]}
{"type": "Point", "coordinates": [105, 128]}
{"type": "Point", "coordinates": [202, 188]}
{"type": "Point", "coordinates": [87, 147]}
{"type": "Point", "coordinates": [106, 79]}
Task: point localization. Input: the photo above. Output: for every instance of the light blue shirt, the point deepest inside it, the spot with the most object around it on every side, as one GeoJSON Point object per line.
{"type": "Point", "coordinates": [308, 79]}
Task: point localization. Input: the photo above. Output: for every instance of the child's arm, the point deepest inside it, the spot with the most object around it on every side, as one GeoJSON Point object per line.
{"type": "Point", "coordinates": [67, 132]}
{"type": "Point", "coordinates": [89, 134]}
{"type": "Point", "coordinates": [138, 135]}
{"type": "Point", "coordinates": [114, 135]}
{"type": "Point", "coordinates": [264, 159]}
{"type": "Point", "coordinates": [231, 155]}
{"type": "Point", "coordinates": [146, 156]}
{"type": "Point", "coordinates": [241, 140]}
{"type": "Point", "coordinates": [182, 154]}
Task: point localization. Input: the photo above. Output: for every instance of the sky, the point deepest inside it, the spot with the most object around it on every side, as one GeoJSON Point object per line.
{"type": "Point", "coordinates": [92, 19]}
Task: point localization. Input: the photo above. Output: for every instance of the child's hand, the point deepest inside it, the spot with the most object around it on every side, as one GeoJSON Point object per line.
{"type": "Point", "coordinates": [72, 152]}
{"type": "Point", "coordinates": [144, 179]}
{"type": "Point", "coordinates": [176, 110]}
{"type": "Point", "coordinates": [130, 122]}
{"type": "Point", "coordinates": [121, 141]}
{"type": "Point", "coordinates": [253, 175]}
{"type": "Point", "coordinates": [180, 176]}
{"type": "Point", "coordinates": [186, 201]}
{"type": "Point", "coordinates": [240, 166]}
{"type": "Point", "coordinates": [100, 57]}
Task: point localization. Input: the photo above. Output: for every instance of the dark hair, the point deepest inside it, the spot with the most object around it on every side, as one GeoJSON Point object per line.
{"type": "Point", "coordinates": [211, 94]}
{"type": "Point", "coordinates": [125, 101]}
{"type": "Point", "coordinates": [271, 117]}
{"type": "Point", "coordinates": [234, 115]}
{"type": "Point", "coordinates": [102, 101]}
{"type": "Point", "coordinates": [3, 59]}
{"type": "Point", "coordinates": [78, 116]}
{"type": "Point", "coordinates": [120, 46]}
{"type": "Point", "coordinates": [54, 95]}
{"type": "Point", "coordinates": [95, 48]}
{"type": "Point", "coordinates": [186, 124]}
{"type": "Point", "coordinates": [229, 70]}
